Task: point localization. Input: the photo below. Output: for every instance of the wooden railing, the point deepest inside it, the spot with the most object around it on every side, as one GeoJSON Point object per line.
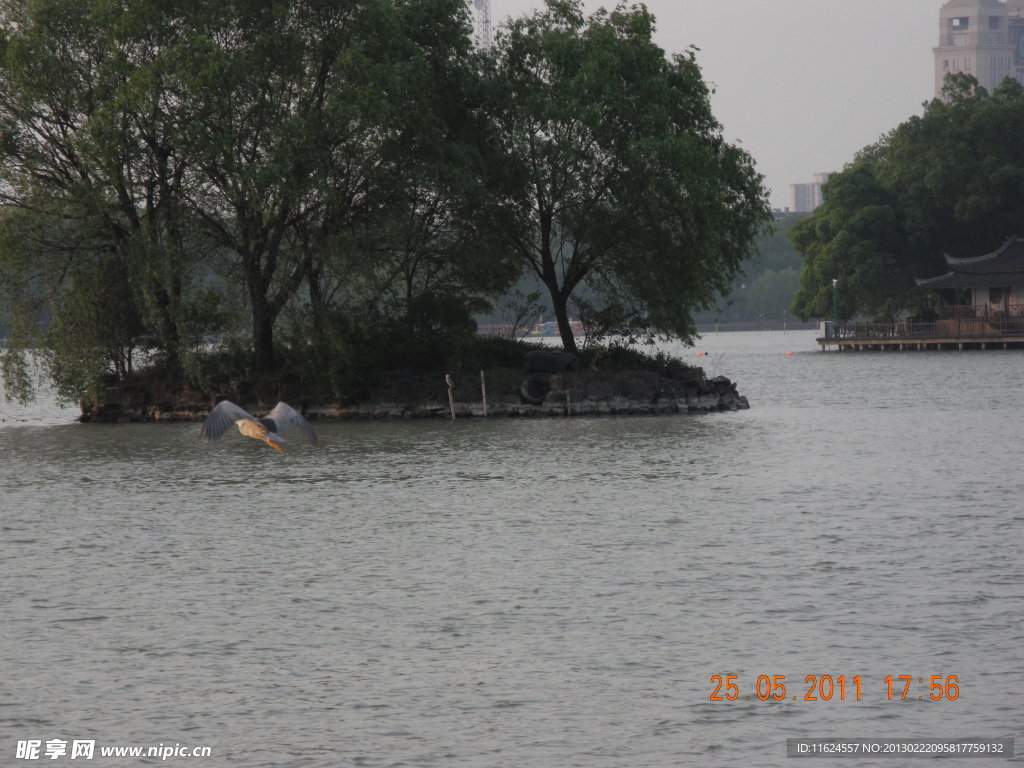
{"type": "Point", "coordinates": [980, 311]}
{"type": "Point", "coordinates": [953, 323]}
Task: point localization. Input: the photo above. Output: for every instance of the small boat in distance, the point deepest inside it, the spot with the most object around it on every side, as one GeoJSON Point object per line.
{"type": "Point", "coordinates": [551, 329]}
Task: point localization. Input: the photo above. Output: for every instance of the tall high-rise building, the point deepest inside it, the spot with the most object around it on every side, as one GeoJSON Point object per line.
{"type": "Point", "coordinates": [804, 198]}
{"type": "Point", "coordinates": [983, 38]}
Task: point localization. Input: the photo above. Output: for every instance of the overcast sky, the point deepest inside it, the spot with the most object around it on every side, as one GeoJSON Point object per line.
{"type": "Point", "coordinates": [800, 84]}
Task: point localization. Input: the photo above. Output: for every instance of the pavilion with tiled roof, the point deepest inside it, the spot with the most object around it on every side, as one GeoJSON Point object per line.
{"type": "Point", "coordinates": [981, 306]}
{"type": "Point", "coordinates": [990, 283]}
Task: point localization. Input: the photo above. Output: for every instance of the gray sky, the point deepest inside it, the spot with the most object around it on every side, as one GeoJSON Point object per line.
{"type": "Point", "coordinates": [800, 84]}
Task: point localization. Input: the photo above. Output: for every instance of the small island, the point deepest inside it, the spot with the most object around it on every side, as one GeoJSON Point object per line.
{"type": "Point", "coordinates": [615, 381]}
{"type": "Point", "coordinates": [266, 202]}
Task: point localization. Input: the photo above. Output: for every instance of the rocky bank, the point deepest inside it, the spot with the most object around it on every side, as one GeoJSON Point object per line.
{"type": "Point", "coordinates": [549, 385]}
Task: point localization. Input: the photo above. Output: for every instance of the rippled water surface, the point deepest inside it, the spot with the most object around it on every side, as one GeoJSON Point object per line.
{"type": "Point", "coordinates": [545, 593]}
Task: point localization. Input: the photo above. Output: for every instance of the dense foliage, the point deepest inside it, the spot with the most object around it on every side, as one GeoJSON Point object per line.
{"type": "Point", "coordinates": [222, 191]}
{"type": "Point", "coordinates": [948, 181]}
{"type": "Point", "coordinates": [770, 279]}
{"type": "Point", "coordinates": [614, 174]}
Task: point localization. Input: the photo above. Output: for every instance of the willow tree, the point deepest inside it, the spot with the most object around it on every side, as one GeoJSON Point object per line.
{"type": "Point", "coordinates": [173, 132]}
{"type": "Point", "coordinates": [90, 161]}
{"type": "Point", "coordinates": [613, 173]}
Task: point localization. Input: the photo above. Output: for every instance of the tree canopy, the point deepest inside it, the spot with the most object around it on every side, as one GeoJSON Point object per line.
{"type": "Point", "coordinates": [324, 186]}
{"type": "Point", "coordinates": [950, 181]}
{"type": "Point", "coordinates": [612, 169]}
{"type": "Point", "coordinates": [175, 155]}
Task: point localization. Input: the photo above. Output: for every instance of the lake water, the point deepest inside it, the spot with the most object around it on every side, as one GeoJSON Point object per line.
{"type": "Point", "coordinates": [539, 593]}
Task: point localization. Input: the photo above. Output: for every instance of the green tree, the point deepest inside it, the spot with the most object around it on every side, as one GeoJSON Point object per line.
{"type": "Point", "coordinates": [769, 281]}
{"type": "Point", "coordinates": [267, 132]}
{"type": "Point", "coordinates": [948, 181]}
{"type": "Point", "coordinates": [856, 238]}
{"type": "Point", "coordinates": [419, 263]}
{"type": "Point", "coordinates": [774, 250]}
{"type": "Point", "coordinates": [89, 156]}
{"type": "Point", "coordinates": [182, 136]}
{"type": "Point", "coordinates": [613, 172]}
{"type": "Point", "coordinates": [302, 112]}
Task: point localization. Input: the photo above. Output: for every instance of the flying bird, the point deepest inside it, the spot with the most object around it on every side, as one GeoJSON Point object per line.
{"type": "Point", "coordinates": [282, 418]}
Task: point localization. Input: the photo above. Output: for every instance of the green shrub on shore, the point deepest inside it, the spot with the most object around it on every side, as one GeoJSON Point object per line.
{"type": "Point", "coordinates": [377, 370]}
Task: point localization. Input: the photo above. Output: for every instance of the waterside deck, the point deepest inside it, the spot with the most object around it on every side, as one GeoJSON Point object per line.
{"type": "Point", "coordinates": [956, 328]}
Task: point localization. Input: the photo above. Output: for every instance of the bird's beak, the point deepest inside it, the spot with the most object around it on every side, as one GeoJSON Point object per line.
{"type": "Point", "coordinates": [270, 442]}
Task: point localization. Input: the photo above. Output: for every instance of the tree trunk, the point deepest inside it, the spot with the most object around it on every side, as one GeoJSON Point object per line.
{"type": "Point", "coordinates": [318, 307]}
{"type": "Point", "coordinates": [549, 276]}
{"type": "Point", "coordinates": [168, 303]}
{"type": "Point", "coordinates": [262, 336]}
{"type": "Point", "coordinates": [560, 302]}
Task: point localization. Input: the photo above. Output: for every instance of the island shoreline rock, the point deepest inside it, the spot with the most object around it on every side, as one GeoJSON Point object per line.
{"type": "Point", "coordinates": [569, 395]}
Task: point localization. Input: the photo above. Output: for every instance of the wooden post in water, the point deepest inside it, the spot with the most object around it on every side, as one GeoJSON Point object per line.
{"type": "Point", "coordinates": [483, 392]}
{"type": "Point", "coordinates": [451, 398]}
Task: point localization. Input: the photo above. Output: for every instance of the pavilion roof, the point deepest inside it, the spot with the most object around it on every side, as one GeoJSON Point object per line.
{"type": "Point", "coordinates": [1004, 267]}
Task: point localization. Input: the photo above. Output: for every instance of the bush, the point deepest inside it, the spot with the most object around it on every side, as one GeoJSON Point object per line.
{"type": "Point", "coordinates": [620, 357]}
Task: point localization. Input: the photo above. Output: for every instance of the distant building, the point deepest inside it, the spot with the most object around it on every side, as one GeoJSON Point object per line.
{"type": "Point", "coordinates": [983, 38]}
{"type": "Point", "coordinates": [804, 198]}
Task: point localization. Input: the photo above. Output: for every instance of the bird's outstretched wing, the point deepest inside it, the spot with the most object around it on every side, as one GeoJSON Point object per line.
{"type": "Point", "coordinates": [286, 417]}
{"type": "Point", "coordinates": [222, 418]}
